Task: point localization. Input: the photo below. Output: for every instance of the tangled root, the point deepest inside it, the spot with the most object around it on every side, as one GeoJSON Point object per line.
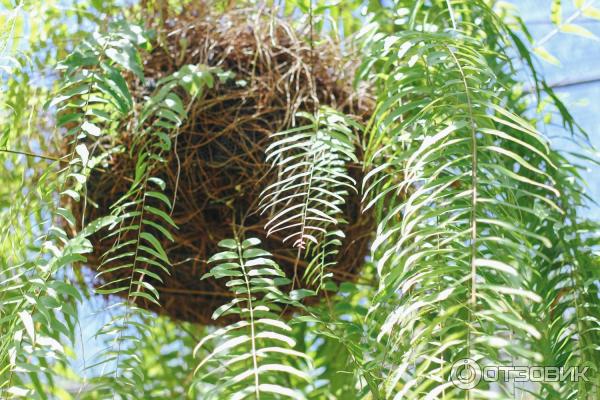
{"type": "Point", "coordinates": [216, 170]}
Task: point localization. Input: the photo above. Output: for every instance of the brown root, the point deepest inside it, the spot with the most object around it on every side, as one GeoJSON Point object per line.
{"type": "Point", "coordinates": [217, 169]}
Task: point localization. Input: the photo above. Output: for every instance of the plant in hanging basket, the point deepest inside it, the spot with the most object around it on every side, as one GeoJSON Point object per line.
{"type": "Point", "coordinates": [217, 169]}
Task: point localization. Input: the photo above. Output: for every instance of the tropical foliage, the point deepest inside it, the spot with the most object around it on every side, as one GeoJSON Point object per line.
{"type": "Point", "coordinates": [481, 248]}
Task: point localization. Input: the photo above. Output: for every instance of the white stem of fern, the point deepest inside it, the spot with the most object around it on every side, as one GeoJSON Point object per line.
{"type": "Point", "coordinates": [252, 331]}
{"type": "Point", "coordinates": [473, 218]}
{"type": "Point", "coordinates": [452, 18]}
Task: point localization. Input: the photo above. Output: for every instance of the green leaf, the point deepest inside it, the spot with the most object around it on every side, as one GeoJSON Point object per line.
{"type": "Point", "coordinates": [91, 129]}
{"type": "Point", "coordinates": [156, 245]}
{"type": "Point", "coordinates": [578, 30]}
{"type": "Point", "coordinates": [228, 244]}
{"type": "Point", "coordinates": [159, 213]}
{"type": "Point", "coordinates": [159, 196]}
{"type": "Point", "coordinates": [545, 55]}
{"type": "Point", "coordinates": [83, 153]}
{"type": "Point", "coordinates": [556, 12]}
{"type": "Point", "coordinates": [28, 324]}
{"type": "Point", "coordinates": [67, 215]}
{"type": "Point", "coordinates": [127, 57]}
{"type": "Point", "coordinates": [251, 253]}
{"type": "Point", "coordinates": [160, 228]}
{"type": "Point", "coordinates": [146, 296]}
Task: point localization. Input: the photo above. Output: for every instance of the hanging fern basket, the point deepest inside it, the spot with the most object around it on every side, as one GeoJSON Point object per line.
{"type": "Point", "coordinates": [216, 169]}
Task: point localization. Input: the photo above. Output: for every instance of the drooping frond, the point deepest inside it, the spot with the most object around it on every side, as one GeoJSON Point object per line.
{"type": "Point", "coordinates": [305, 201]}
{"type": "Point", "coordinates": [311, 163]}
{"type": "Point", "coordinates": [38, 301]}
{"type": "Point", "coordinates": [464, 180]}
{"type": "Point", "coordinates": [568, 316]}
{"type": "Point", "coordinates": [255, 356]}
{"type": "Point", "coordinates": [140, 224]}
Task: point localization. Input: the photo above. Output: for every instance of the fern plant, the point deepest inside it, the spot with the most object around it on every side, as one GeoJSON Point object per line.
{"type": "Point", "coordinates": [141, 211]}
{"type": "Point", "coordinates": [482, 249]}
{"type": "Point", "coordinates": [252, 357]}
{"type": "Point", "coordinates": [457, 244]}
{"type": "Point", "coordinates": [305, 201]}
{"type": "Point", "coordinates": [565, 280]}
{"type": "Point", "coordinates": [93, 91]}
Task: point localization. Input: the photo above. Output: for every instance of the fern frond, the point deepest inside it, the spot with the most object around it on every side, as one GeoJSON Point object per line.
{"type": "Point", "coordinates": [139, 217]}
{"type": "Point", "coordinates": [305, 202]}
{"type": "Point", "coordinates": [256, 355]}
{"type": "Point", "coordinates": [94, 91]}
{"type": "Point", "coordinates": [568, 316]}
{"type": "Point", "coordinates": [311, 164]}
{"type": "Point", "coordinates": [465, 179]}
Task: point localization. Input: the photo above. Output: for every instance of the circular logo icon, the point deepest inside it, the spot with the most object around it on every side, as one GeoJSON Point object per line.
{"type": "Point", "coordinates": [465, 373]}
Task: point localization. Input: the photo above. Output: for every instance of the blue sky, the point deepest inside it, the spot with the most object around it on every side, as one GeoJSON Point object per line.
{"type": "Point", "coordinates": [579, 61]}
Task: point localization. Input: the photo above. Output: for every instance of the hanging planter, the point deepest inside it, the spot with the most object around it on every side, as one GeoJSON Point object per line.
{"type": "Point", "coordinates": [216, 170]}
